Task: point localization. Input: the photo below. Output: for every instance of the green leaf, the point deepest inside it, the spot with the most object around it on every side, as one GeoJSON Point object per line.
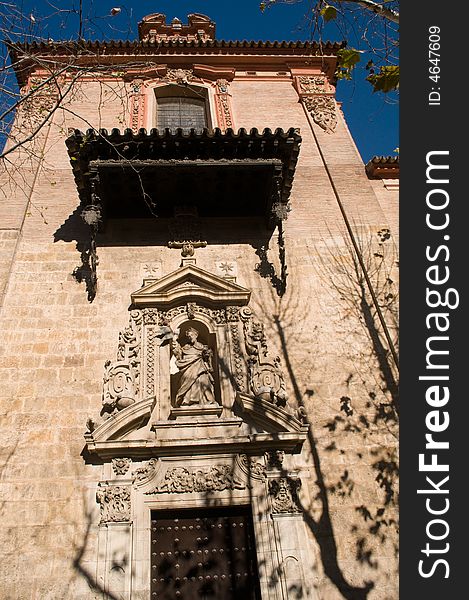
{"type": "Point", "coordinates": [329, 13]}
{"type": "Point", "coordinates": [387, 80]}
{"type": "Point", "coordinates": [347, 58]}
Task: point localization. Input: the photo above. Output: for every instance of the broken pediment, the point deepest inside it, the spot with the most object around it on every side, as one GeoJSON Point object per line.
{"type": "Point", "coordinates": [259, 426]}
{"type": "Point", "coordinates": [190, 284]}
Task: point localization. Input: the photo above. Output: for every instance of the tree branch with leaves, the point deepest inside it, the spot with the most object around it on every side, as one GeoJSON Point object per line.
{"type": "Point", "coordinates": [373, 27]}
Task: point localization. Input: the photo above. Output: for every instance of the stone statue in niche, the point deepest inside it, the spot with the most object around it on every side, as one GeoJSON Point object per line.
{"type": "Point", "coordinates": [195, 383]}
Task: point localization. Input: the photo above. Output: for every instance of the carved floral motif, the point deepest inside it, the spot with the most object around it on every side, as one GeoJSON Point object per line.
{"type": "Point", "coordinates": [114, 502]}
{"type": "Point", "coordinates": [312, 84]}
{"type": "Point", "coordinates": [238, 359]}
{"type": "Point", "coordinates": [137, 105]}
{"type": "Point", "coordinates": [225, 119]}
{"type": "Point", "coordinates": [120, 466]}
{"type": "Point", "coordinates": [216, 479]}
{"type": "Point", "coordinates": [323, 111]}
{"type": "Point", "coordinates": [284, 495]}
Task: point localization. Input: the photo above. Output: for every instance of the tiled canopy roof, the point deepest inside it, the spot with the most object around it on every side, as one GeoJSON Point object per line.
{"type": "Point", "coordinates": [383, 167]}
{"type": "Point", "coordinates": [261, 164]}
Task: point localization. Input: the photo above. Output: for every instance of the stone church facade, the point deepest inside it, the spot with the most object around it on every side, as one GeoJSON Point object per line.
{"type": "Point", "coordinates": [199, 394]}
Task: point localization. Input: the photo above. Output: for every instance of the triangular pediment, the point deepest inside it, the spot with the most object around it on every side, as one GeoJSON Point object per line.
{"type": "Point", "coordinates": [190, 284]}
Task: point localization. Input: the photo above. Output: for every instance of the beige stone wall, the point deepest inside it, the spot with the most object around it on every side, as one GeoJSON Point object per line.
{"type": "Point", "coordinates": [55, 344]}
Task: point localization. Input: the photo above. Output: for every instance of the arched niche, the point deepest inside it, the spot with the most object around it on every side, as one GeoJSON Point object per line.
{"type": "Point", "coordinates": [194, 374]}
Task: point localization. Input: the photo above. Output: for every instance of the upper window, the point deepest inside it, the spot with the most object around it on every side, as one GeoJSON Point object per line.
{"type": "Point", "coordinates": [177, 111]}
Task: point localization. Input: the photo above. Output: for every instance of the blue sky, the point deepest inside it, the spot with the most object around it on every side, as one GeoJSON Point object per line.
{"type": "Point", "coordinates": [372, 118]}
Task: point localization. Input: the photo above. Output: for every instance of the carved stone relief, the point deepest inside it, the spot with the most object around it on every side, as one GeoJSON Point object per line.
{"type": "Point", "coordinates": [144, 473]}
{"type": "Point", "coordinates": [114, 502]}
{"type": "Point", "coordinates": [216, 479]}
{"type": "Point", "coordinates": [284, 495]}
{"type": "Point", "coordinates": [274, 459]}
{"type": "Point", "coordinates": [121, 383]}
{"type": "Point", "coordinates": [323, 111]}
{"type": "Point", "coordinates": [42, 98]}
{"type": "Point", "coordinates": [137, 104]}
{"type": "Point", "coordinates": [180, 75]}
{"type": "Point", "coordinates": [313, 84]}
{"type": "Point", "coordinates": [251, 466]}
{"type": "Point", "coordinates": [222, 99]}
{"type": "Point", "coordinates": [120, 466]}
{"type": "Point", "coordinates": [265, 376]}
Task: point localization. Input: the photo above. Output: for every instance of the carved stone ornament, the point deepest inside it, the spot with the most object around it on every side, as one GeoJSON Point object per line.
{"type": "Point", "coordinates": [121, 383]}
{"type": "Point", "coordinates": [137, 104]}
{"type": "Point", "coordinates": [114, 502]}
{"type": "Point", "coordinates": [120, 466]}
{"type": "Point", "coordinates": [313, 84]}
{"type": "Point", "coordinates": [180, 75]}
{"type": "Point", "coordinates": [146, 472]}
{"type": "Point", "coordinates": [323, 111]}
{"type": "Point", "coordinates": [216, 479]}
{"type": "Point", "coordinates": [265, 376]}
{"type": "Point", "coordinates": [42, 98]}
{"type": "Point", "coordinates": [274, 459]}
{"type": "Point", "coordinates": [252, 467]}
{"type": "Point", "coordinates": [284, 495]}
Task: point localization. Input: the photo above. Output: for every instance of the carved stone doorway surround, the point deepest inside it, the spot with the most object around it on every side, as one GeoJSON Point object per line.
{"type": "Point", "coordinates": [245, 454]}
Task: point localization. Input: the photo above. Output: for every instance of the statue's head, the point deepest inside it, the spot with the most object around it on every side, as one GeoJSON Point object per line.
{"type": "Point", "coordinates": [192, 334]}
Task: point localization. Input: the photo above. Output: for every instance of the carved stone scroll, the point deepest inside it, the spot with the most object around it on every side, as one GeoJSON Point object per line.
{"type": "Point", "coordinates": [284, 495]}
{"type": "Point", "coordinates": [114, 502]}
{"type": "Point", "coordinates": [252, 467]}
{"type": "Point", "coordinates": [146, 472]}
{"type": "Point", "coordinates": [180, 480]}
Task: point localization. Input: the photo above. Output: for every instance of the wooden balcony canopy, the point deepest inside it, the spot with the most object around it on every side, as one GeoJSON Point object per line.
{"type": "Point", "coordinates": [222, 174]}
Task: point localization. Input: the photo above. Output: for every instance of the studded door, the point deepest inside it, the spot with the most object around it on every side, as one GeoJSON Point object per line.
{"type": "Point", "coordinates": [208, 554]}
